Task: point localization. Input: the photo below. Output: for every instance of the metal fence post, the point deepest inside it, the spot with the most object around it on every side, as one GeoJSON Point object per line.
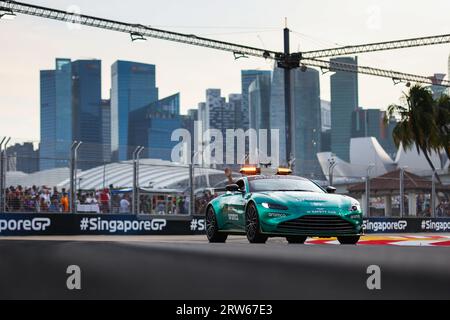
{"type": "Point", "coordinates": [3, 175]}
{"type": "Point", "coordinates": [433, 194]}
{"type": "Point", "coordinates": [135, 207]}
{"type": "Point", "coordinates": [368, 189]}
{"type": "Point", "coordinates": [402, 191]}
{"type": "Point", "coordinates": [191, 189]}
{"type": "Point", "coordinates": [331, 164]}
{"type": "Point", "coordinates": [133, 195]}
{"type": "Point", "coordinates": [73, 174]}
{"type": "Point", "coordinates": [2, 188]}
{"type": "Point", "coordinates": [138, 158]}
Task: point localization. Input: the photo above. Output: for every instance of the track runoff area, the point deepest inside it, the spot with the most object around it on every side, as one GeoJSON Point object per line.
{"type": "Point", "coordinates": [162, 267]}
{"type": "Point", "coordinates": [409, 239]}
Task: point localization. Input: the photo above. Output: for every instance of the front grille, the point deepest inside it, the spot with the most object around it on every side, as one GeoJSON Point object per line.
{"type": "Point", "coordinates": [318, 224]}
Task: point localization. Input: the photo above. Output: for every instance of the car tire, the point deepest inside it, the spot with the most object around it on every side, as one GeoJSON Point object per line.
{"type": "Point", "coordinates": [252, 226]}
{"type": "Point", "coordinates": [212, 228]}
{"type": "Point", "coordinates": [348, 239]}
{"type": "Point", "coordinates": [296, 239]}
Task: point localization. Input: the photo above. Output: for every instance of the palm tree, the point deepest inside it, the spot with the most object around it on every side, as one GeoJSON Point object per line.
{"type": "Point", "coordinates": [417, 123]}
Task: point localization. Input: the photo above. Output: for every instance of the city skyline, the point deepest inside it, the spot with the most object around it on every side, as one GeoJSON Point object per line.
{"type": "Point", "coordinates": [20, 76]}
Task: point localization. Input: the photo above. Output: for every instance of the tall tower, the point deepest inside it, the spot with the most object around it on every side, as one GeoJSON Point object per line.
{"type": "Point", "coordinates": [86, 106]}
{"type": "Point", "coordinates": [56, 115]}
{"type": "Point", "coordinates": [133, 86]}
{"type": "Point", "coordinates": [344, 100]}
{"type": "Point", "coordinates": [247, 77]}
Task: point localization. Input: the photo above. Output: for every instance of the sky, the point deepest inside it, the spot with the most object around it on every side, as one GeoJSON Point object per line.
{"type": "Point", "coordinates": [29, 44]}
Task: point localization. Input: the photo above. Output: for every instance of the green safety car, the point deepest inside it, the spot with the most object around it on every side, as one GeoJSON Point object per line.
{"type": "Point", "coordinates": [261, 206]}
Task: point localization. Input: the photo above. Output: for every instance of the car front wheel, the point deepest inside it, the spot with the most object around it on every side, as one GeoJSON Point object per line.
{"type": "Point", "coordinates": [212, 228]}
{"type": "Point", "coordinates": [348, 239]}
{"type": "Point", "coordinates": [252, 227]}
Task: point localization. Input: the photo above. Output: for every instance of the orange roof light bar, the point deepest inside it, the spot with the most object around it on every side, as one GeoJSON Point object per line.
{"type": "Point", "coordinates": [250, 171]}
{"type": "Point", "coordinates": [284, 171]}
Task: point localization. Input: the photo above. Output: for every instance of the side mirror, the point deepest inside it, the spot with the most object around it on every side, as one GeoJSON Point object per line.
{"type": "Point", "coordinates": [331, 189]}
{"type": "Point", "coordinates": [232, 188]}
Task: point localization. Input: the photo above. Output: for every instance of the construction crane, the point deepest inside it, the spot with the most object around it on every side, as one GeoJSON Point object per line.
{"type": "Point", "coordinates": [284, 59]}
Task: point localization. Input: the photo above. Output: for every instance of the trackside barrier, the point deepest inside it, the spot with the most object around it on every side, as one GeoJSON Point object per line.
{"type": "Point", "coordinates": [102, 224]}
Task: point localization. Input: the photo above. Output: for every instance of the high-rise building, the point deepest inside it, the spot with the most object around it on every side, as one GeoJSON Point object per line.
{"type": "Point", "coordinates": [86, 105]}
{"type": "Point", "coordinates": [308, 126]}
{"type": "Point", "coordinates": [307, 114]}
{"type": "Point", "coordinates": [217, 113]}
{"type": "Point", "coordinates": [247, 77]}
{"type": "Point", "coordinates": [386, 139]}
{"type": "Point", "coordinates": [344, 100]}
{"type": "Point", "coordinates": [367, 123]}
{"type": "Point", "coordinates": [105, 115]}
{"type": "Point", "coordinates": [371, 123]}
{"type": "Point", "coordinates": [325, 107]}
{"type": "Point", "coordinates": [170, 104]}
{"type": "Point", "coordinates": [220, 113]}
{"type": "Point", "coordinates": [325, 141]}
{"type": "Point", "coordinates": [23, 157]}
{"type": "Point", "coordinates": [193, 114]}
{"type": "Point", "coordinates": [259, 102]}
{"type": "Point", "coordinates": [152, 127]}
{"type": "Point", "coordinates": [277, 111]}
{"type": "Point", "coordinates": [235, 103]}
{"type": "Point", "coordinates": [325, 137]}
{"type": "Point", "coordinates": [133, 86]}
{"type": "Point", "coordinates": [56, 115]}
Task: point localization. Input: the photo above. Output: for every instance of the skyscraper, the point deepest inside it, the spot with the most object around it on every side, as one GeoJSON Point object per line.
{"type": "Point", "coordinates": [308, 126]}
{"type": "Point", "coordinates": [366, 123]}
{"type": "Point", "coordinates": [217, 113]}
{"type": "Point", "coordinates": [235, 101]}
{"type": "Point", "coordinates": [259, 102]}
{"type": "Point", "coordinates": [247, 77]}
{"type": "Point", "coordinates": [170, 104]}
{"type": "Point", "coordinates": [370, 123]}
{"type": "Point", "coordinates": [133, 86]}
{"type": "Point", "coordinates": [344, 100]}
{"type": "Point", "coordinates": [86, 102]}
{"type": "Point", "coordinates": [23, 157]}
{"type": "Point", "coordinates": [386, 139]}
{"type": "Point", "coordinates": [220, 113]}
{"type": "Point", "coordinates": [56, 115]}
{"type": "Point", "coordinates": [277, 111]}
{"type": "Point", "coordinates": [307, 114]}
{"type": "Point", "coordinates": [325, 106]}
{"type": "Point", "coordinates": [152, 126]}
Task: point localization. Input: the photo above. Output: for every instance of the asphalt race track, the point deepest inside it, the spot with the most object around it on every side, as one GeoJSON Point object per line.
{"type": "Point", "coordinates": [187, 267]}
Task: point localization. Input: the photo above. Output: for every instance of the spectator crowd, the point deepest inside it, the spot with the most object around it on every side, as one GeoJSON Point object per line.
{"type": "Point", "coordinates": [52, 200]}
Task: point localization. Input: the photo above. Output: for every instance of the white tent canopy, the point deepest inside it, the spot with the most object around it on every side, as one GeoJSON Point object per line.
{"type": "Point", "coordinates": [153, 173]}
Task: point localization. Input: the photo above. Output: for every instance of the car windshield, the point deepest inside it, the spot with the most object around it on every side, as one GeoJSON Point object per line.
{"type": "Point", "coordinates": [277, 184]}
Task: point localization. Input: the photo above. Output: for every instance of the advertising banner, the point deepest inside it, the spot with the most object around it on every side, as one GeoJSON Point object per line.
{"type": "Point", "coordinates": [102, 224]}
{"type": "Point", "coordinates": [95, 224]}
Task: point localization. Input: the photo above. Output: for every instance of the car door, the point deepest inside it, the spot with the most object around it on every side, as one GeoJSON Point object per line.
{"type": "Point", "coordinates": [225, 202]}
{"type": "Point", "coordinates": [236, 207]}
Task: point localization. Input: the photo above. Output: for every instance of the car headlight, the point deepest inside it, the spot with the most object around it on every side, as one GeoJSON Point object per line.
{"type": "Point", "coordinates": [355, 210]}
{"type": "Point", "coordinates": [275, 206]}
{"type": "Point", "coordinates": [355, 207]}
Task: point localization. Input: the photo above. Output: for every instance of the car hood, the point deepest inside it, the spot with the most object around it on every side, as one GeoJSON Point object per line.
{"type": "Point", "coordinates": [307, 200]}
